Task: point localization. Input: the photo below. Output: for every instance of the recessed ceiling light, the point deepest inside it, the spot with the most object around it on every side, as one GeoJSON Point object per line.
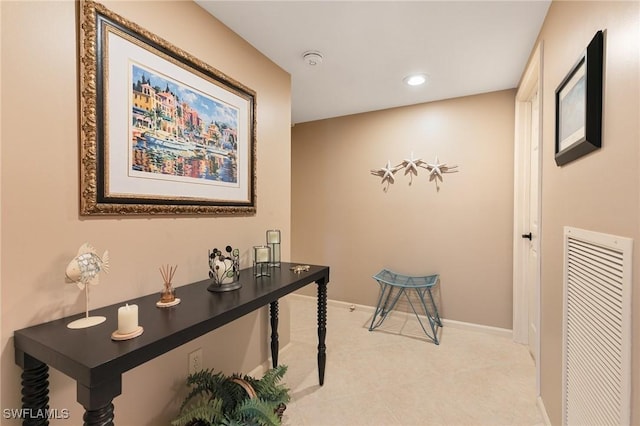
{"type": "Point", "coordinates": [415, 79]}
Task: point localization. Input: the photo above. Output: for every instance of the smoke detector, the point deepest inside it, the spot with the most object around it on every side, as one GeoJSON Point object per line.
{"type": "Point", "coordinates": [312, 58]}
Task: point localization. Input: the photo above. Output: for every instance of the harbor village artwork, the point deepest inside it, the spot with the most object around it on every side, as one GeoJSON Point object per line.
{"type": "Point", "coordinates": [161, 131]}
{"type": "Point", "coordinates": [178, 133]}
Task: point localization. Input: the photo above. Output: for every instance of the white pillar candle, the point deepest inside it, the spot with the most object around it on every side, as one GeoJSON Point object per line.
{"type": "Point", "coordinates": [262, 254]}
{"type": "Point", "coordinates": [273, 237]}
{"type": "Point", "coordinates": [127, 319]}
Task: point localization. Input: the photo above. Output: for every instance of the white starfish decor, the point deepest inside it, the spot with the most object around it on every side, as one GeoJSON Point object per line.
{"type": "Point", "coordinates": [436, 169]}
{"type": "Point", "coordinates": [411, 166]}
{"type": "Point", "coordinates": [387, 174]}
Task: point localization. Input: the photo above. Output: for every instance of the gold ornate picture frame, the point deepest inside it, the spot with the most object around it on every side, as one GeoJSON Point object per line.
{"type": "Point", "coordinates": [161, 132]}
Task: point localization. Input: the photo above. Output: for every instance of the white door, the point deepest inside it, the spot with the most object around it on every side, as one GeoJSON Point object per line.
{"type": "Point", "coordinates": [527, 219]}
{"type": "Point", "coordinates": [533, 262]}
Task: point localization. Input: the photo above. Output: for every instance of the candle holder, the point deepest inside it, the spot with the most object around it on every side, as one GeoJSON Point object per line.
{"type": "Point", "coordinates": [273, 241]}
{"type": "Point", "coordinates": [261, 259]}
{"type": "Point", "coordinates": [224, 270]}
{"type": "Point", "coordinates": [128, 327]}
{"type": "Point", "coordinates": [168, 296]}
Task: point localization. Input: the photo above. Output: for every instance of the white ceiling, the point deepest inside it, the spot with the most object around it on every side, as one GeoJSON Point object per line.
{"type": "Point", "coordinates": [465, 47]}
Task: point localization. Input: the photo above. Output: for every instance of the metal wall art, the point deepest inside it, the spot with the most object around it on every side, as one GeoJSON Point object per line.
{"type": "Point", "coordinates": [161, 132]}
{"type": "Point", "coordinates": [410, 166]}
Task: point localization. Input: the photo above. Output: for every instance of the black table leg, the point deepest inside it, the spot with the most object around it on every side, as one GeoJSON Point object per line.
{"type": "Point", "coordinates": [322, 329]}
{"type": "Point", "coordinates": [35, 390]}
{"type": "Point", "coordinates": [97, 401]}
{"type": "Point", "coordinates": [273, 313]}
{"type": "Point", "coordinates": [101, 417]}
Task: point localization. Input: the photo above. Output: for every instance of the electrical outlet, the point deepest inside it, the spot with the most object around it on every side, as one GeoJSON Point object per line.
{"type": "Point", "coordinates": [195, 361]}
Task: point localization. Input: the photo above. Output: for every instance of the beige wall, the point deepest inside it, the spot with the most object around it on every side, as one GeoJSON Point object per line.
{"type": "Point", "coordinates": [342, 217]}
{"type": "Point", "coordinates": [600, 191]}
{"type": "Point", "coordinates": [41, 229]}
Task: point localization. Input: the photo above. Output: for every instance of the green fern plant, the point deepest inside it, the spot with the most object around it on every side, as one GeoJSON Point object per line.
{"type": "Point", "coordinates": [219, 400]}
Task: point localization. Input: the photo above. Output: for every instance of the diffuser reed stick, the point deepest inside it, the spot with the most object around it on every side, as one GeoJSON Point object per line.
{"type": "Point", "coordinates": [167, 273]}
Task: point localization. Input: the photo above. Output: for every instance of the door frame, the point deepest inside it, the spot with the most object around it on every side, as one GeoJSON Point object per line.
{"type": "Point", "coordinates": [530, 83]}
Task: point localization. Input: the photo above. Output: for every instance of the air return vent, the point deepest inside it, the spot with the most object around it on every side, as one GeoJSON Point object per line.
{"type": "Point", "coordinates": [597, 329]}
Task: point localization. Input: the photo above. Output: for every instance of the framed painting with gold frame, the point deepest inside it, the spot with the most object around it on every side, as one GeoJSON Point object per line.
{"type": "Point", "coordinates": [161, 131]}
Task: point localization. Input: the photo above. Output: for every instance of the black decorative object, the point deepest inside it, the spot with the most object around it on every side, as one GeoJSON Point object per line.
{"type": "Point", "coordinates": [579, 105]}
{"type": "Point", "coordinates": [224, 270]}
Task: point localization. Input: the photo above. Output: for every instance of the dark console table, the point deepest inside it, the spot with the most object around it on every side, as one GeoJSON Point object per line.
{"type": "Point", "coordinates": [96, 362]}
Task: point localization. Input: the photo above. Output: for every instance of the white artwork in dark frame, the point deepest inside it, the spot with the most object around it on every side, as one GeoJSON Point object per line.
{"type": "Point", "coordinates": [579, 105]}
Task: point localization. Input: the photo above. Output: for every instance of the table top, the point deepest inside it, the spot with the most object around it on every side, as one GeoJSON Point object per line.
{"type": "Point", "coordinates": [91, 357]}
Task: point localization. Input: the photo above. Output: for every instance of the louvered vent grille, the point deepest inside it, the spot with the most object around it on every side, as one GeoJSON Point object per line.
{"type": "Point", "coordinates": [597, 329]}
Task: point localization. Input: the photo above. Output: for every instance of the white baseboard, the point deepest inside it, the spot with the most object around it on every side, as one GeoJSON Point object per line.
{"type": "Point", "coordinates": [504, 332]}
{"type": "Point", "coordinates": [266, 365]}
{"type": "Point", "coordinates": [543, 411]}
{"type": "Point", "coordinates": [497, 331]}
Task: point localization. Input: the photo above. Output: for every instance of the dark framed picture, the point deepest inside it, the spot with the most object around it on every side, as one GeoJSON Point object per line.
{"type": "Point", "coordinates": [579, 105]}
{"type": "Point", "coordinates": [161, 131]}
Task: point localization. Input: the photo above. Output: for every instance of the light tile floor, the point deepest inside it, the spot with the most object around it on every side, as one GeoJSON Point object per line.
{"type": "Point", "coordinates": [395, 376]}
